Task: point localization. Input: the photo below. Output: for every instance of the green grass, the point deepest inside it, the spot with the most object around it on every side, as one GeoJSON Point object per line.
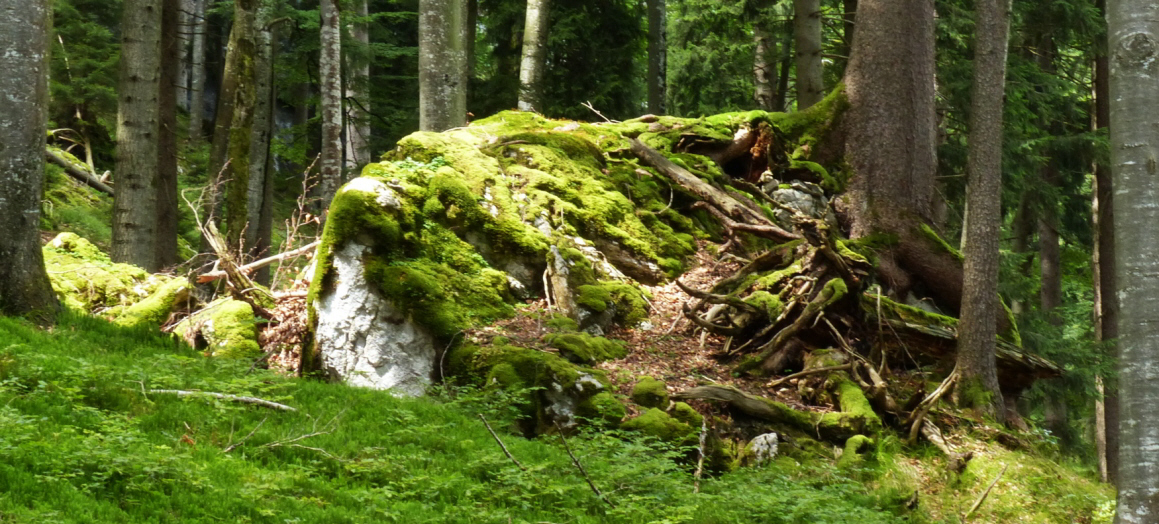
{"type": "Point", "coordinates": [81, 441]}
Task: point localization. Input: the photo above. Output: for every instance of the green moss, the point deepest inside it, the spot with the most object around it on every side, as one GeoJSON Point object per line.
{"type": "Point", "coordinates": [562, 323]}
{"type": "Point", "coordinates": [766, 302]}
{"type": "Point", "coordinates": [872, 304]}
{"type": "Point", "coordinates": [443, 300]}
{"type": "Point", "coordinates": [628, 300]}
{"type": "Point", "coordinates": [657, 423]}
{"type": "Point", "coordinates": [603, 406]}
{"type": "Point", "coordinates": [155, 310]}
{"type": "Point", "coordinates": [811, 126]}
{"type": "Point", "coordinates": [856, 448]}
{"type": "Point", "coordinates": [684, 413]}
{"type": "Point", "coordinates": [227, 328]}
{"type": "Point", "coordinates": [650, 393]}
{"type": "Point", "coordinates": [937, 240]}
{"type": "Point", "coordinates": [85, 279]}
{"type": "Point", "coordinates": [854, 405]}
{"type": "Point", "coordinates": [583, 348]}
{"type": "Point", "coordinates": [69, 205]}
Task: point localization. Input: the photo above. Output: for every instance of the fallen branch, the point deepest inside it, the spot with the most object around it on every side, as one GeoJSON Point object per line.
{"type": "Point", "coordinates": [713, 298]}
{"type": "Point", "coordinates": [581, 467]}
{"type": "Point", "coordinates": [806, 373]}
{"type": "Point", "coordinates": [500, 442]}
{"type": "Point", "coordinates": [258, 264]}
{"type": "Point", "coordinates": [725, 331]}
{"type": "Point", "coordinates": [84, 176]}
{"type": "Point", "coordinates": [224, 396]}
{"type": "Point", "coordinates": [238, 444]}
{"type": "Point", "coordinates": [914, 421]}
{"type": "Point", "coordinates": [982, 498]}
{"type": "Point", "coordinates": [766, 230]}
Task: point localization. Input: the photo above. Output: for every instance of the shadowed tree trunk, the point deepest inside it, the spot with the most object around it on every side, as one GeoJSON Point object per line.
{"type": "Point", "coordinates": [330, 73]}
{"type": "Point", "coordinates": [197, 74]}
{"type": "Point", "coordinates": [1134, 64]}
{"type": "Point", "coordinates": [24, 285]}
{"type": "Point", "coordinates": [171, 52]}
{"type": "Point", "coordinates": [657, 56]}
{"type": "Point", "coordinates": [977, 329]}
{"type": "Point", "coordinates": [442, 64]}
{"type": "Point", "coordinates": [358, 94]}
{"type": "Point", "coordinates": [229, 161]}
{"type": "Point", "coordinates": [535, 56]}
{"type": "Point", "coordinates": [138, 89]}
{"type": "Point", "coordinates": [807, 32]}
{"type": "Point", "coordinates": [258, 219]}
{"type": "Point", "coordinates": [1106, 301]}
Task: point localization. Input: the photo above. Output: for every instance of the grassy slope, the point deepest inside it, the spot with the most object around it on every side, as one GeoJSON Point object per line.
{"type": "Point", "coordinates": [80, 442]}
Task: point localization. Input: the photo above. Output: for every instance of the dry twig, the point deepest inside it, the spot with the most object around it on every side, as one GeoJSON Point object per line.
{"type": "Point", "coordinates": [500, 442]}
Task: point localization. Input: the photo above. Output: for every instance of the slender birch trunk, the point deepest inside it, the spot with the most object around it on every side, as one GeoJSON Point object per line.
{"type": "Point", "coordinates": [330, 73]}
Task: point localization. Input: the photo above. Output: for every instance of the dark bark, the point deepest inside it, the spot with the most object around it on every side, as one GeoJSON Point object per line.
{"type": "Point", "coordinates": [24, 285]}
{"type": "Point", "coordinates": [197, 74]}
{"type": "Point", "coordinates": [167, 200]}
{"type": "Point", "coordinates": [1106, 301]}
{"type": "Point", "coordinates": [657, 56]}
{"type": "Point", "coordinates": [977, 327]}
{"type": "Point", "coordinates": [259, 219]}
{"type": "Point", "coordinates": [138, 89]}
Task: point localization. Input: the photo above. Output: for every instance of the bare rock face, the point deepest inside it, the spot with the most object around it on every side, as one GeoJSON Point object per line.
{"type": "Point", "coordinates": [362, 337]}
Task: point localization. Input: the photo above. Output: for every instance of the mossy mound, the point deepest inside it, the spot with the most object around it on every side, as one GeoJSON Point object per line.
{"type": "Point", "coordinates": [225, 328]}
{"type": "Point", "coordinates": [553, 389]}
{"type": "Point", "coordinates": [657, 423]}
{"type": "Point", "coordinates": [72, 206]}
{"type": "Point", "coordinates": [85, 279]}
{"type": "Point", "coordinates": [582, 348]}
{"type": "Point", "coordinates": [650, 393]}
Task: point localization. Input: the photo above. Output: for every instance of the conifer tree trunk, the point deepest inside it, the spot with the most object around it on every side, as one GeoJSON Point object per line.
{"type": "Point", "coordinates": [472, 30]}
{"type": "Point", "coordinates": [442, 64]}
{"type": "Point", "coordinates": [330, 73]}
{"type": "Point", "coordinates": [807, 32]}
{"type": "Point", "coordinates": [24, 286]}
{"type": "Point", "coordinates": [978, 328]}
{"type": "Point", "coordinates": [786, 61]}
{"type": "Point", "coordinates": [171, 47]}
{"type": "Point", "coordinates": [358, 90]}
{"type": "Point", "coordinates": [1134, 144]}
{"type": "Point", "coordinates": [184, 26]}
{"type": "Point", "coordinates": [197, 74]}
{"type": "Point", "coordinates": [657, 56]}
{"type": "Point", "coordinates": [138, 91]}
{"type": "Point", "coordinates": [535, 56]}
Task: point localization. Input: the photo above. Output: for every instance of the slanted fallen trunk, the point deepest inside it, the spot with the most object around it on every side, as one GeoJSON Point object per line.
{"type": "Point", "coordinates": [77, 173]}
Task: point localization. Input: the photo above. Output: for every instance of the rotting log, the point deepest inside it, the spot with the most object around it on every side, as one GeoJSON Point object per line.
{"type": "Point", "coordinates": [84, 176]}
{"type": "Point", "coordinates": [832, 427]}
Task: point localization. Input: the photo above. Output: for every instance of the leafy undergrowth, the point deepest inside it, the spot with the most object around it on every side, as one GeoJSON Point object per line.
{"type": "Point", "coordinates": [83, 440]}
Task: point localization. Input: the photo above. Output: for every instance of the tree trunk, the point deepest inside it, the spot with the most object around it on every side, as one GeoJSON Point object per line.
{"type": "Point", "coordinates": [849, 8]}
{"type": "Point", "coordinates": [1024, 225]}
{"type": "Point", "coordinates": [764, 68]}
{"type": "Point", "coordinates": [535, 56]}
{"type": "Point", "coordinates": [977, 329]}
{"type": "Point", "coordinates": [472, 27]}
{"type": "Point", "coordinates": [138, 88]}
{"type": "Point", "coordinates": [807, 33]}
{"type": "Point", "coordinates": [330, 76]}
{"type": "Point", "coordinates": [229, 161]}
{"type": "Point", "coordinates": [256, 233]}
{"type": "Point", "coordinates": [1134, 144]}
{"type": "Point", "coordinates": [358, 91]}
{"type": "Point", "coordinates": [786, 66]}
{"type": "Point", "coordinates": [24, 286]}
{"type": "Point", "coordinates": [184, 26]}
{"type": "Point", "coordinates": [442, 64]}
{"type": "Point", "coordinates": [197, 74]}
{"type": "Point", "coordinates": [1106, 301]}
{"type": "Point", "coordinates": [171, 52]}
{"type": "Point", "coordinates": [657, 56]}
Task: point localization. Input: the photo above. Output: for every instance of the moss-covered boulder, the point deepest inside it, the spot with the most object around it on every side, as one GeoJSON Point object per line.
{"type": "Point", "coordinates": [582, 348]}
{"type": "Point", "coordinates": [555, 391]}
{"type": "Point", "coordinates": [659, 424]}
{"type": "Point", "coordinates": [225, 328]}
{"type": "Point", "coordinates": [86, 279]}
{"type": "Point", "coordinates": [650, 393]}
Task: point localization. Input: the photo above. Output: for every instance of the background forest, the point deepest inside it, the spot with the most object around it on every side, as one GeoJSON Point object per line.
{"type": "Point", "coordinates": [267, 106]}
